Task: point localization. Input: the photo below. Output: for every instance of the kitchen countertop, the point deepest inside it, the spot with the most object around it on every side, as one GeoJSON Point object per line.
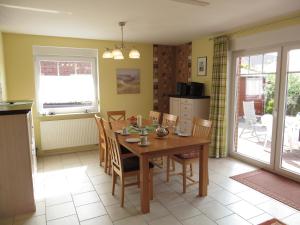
{"type": "Point", "coordinates": [15, 107]}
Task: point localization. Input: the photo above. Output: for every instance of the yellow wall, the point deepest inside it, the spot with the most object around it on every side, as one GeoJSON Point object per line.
{"type": "Point", "coordinates": [2, 72]}
{"type": "Point", "coordinates": [20, 77]}
{"type": "Point", "coordinates": [203, 47]}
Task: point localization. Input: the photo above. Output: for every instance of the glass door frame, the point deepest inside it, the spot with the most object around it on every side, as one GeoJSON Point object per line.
{"type": "Point", "coordinates": [282, 111]}
{"type": "Point", "coordinates": [232, 94]}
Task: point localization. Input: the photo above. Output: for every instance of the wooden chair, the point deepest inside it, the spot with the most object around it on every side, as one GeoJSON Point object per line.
{"type": "Point", "coordinates": [102, 140]}
{"type": "Point", "coordinates": [169, 120]}
{"type": "Point", "coordinates": [105, 125]}
{"type": "Point", "coordinates": [201, 128]}
{"type": "Point", "coordinates": [107, 156]}
{"type": "Point", "coordinates": [124, 166]}
{"type": "Point", "coordinates": [154, 116]}
{"type": "Point", "coordinates": [116, 115]}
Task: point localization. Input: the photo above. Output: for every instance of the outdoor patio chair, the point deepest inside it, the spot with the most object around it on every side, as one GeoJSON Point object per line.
{"type": "Point", "coordinates": [289, 136]}
{"type": "Point", "coordinates": [251, 120]}
{"type": "Point", "coordinates": [267, 121]}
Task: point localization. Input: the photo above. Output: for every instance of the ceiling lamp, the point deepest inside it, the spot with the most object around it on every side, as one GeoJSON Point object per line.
{"type": "Point", "coordinates": [107, 54]}
{"type": "Point", "coordinates": [134, 54]}
{"type": "Point", "coordinates": [117, 53]}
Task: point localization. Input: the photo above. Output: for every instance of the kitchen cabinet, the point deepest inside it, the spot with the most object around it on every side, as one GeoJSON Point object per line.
{"type": "Point", "coordinates": [17, 160]}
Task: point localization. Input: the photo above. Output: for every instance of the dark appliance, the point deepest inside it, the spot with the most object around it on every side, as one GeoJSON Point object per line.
{"type": "Point", "coordinates": [181, 89]}
{"type": "Point", "coordinates": [196, 89]}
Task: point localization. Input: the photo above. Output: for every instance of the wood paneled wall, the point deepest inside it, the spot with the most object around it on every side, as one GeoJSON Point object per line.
{"type": "Point", "coordinates": [171, 64]}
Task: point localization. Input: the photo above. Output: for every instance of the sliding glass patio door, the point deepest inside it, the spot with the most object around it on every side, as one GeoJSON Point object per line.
{"type": "Point", "coordinates": [288, 139]}
{"type": "Point", "coordinates": [254, 93]}
{"type": "Point", "coordinates": [265, 101]}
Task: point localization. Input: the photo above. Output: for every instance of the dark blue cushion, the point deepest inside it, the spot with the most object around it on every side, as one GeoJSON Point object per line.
{"type": "Point", "coordinates": [124, 150]}
{"type": "Point", "coordinates": [132, 164]}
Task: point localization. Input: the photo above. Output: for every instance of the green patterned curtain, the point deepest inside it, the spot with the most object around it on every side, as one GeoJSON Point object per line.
{"type": "Point", "coordinates": [218, 98]}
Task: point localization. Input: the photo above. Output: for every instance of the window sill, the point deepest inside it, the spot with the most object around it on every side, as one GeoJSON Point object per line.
{"type": "Point", "coordinates": [66, 116]}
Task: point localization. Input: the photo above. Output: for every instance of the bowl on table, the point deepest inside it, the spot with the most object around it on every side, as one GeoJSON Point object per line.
{"type": "Point", "coordinates": [162, 131]}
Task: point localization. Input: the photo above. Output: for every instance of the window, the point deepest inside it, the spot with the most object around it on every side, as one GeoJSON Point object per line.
{"type": "Point", "coordinates": [258, 64]}
{"type": "Point", "coordinates": [254, 86]}
{"type": "Point", "coordinates": [257, 72]}
{"type": "Point", "coordinates": [66, 84]}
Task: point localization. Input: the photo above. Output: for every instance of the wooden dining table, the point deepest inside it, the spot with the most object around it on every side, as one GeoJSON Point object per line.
{"type": "Point", "coordinates": [169, 145]}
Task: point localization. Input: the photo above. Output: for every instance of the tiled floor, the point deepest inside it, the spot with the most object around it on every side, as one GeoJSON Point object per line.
{"type": "Point", "coordinates": [72, 189]}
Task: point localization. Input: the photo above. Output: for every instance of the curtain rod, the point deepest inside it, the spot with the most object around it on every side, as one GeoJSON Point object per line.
{"type": "Point", "coordinates": [220, 35]}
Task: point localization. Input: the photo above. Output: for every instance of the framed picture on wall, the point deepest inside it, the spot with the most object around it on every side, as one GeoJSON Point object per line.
{"type": "Point", "coordinates": [202, 66]}
{"type": "Point", "coordinates": [128, 81]}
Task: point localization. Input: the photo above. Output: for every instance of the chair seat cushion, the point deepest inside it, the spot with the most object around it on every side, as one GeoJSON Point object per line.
{"type": "Point", "coordinates": [124, 150]}
{"type": "Point", "coordinates": [132, 164]}
{"type": "Point", "coordinates": [190, 155]}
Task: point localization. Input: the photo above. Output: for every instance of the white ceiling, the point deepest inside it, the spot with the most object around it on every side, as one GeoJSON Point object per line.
{"type": "Point", "coordinates": [150, 21]}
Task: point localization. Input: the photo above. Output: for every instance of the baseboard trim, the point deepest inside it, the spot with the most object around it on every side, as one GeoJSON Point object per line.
{"type": "Point", "coordinates": [59, 151]}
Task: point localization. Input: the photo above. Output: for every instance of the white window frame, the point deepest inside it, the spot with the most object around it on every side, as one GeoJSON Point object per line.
{"type": "Point", "coordinates": [249, 84]}
{"type": "Point", "coordinates": [66, 54]}
{"type": "Point", "coordinates": [232, 93]}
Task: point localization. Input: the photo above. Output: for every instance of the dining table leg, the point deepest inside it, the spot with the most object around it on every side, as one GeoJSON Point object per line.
{"type": "Point", "coordinates": [144, 184]}
{"type": "Point", "coordinates": [203, 171]}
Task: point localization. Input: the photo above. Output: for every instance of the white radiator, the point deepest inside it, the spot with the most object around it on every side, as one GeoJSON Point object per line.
{"type": "Point", "coordinates": [68, 133]}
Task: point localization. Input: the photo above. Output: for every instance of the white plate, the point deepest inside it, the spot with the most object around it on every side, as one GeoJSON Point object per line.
{"type": "Point", "coordinates": [145, 144]}
{"type": "Point", "coordinates": [132, 140]}
{"type": "Point", "coordinates": [184, 135]}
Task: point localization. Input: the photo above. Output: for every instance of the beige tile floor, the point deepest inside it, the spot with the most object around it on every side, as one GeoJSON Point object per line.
{"type": "Point", "coordinates": [72, 189]}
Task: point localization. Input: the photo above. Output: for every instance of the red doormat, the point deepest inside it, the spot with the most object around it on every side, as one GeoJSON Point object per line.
{"type": "Point", "coordinates": [272, 222]}
{"type": "Point", "coordinates": [280, 188]}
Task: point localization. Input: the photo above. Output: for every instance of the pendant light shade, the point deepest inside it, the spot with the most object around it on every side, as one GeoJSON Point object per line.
{"type": "Point", "coordinates": [107, 54]}
{"type": "Point", "coordinates": [117, 53]}
{"type": "Point", "coordinates": [134, 54]}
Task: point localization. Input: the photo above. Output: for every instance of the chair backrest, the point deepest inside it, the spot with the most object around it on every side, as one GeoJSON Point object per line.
{"type": "Point", "coordinates": [169, 120]}
{"type": "Point", "coordinates": [202, 128]}
{"type": "Point", "coordinates": [114, 149]}
{"type": "Point", "coordinates": [106, 124]}
{"type": "Point", "coordinates": [98, 122]}
{"type": "Point", "coordinates": [267, 121]}
{"type": "Point", "coordinates": [249, 111]}
{"type": "Point", "coordinates": [101, 132]}
{"type": "Point", "coordinates": [116, 115]}
{"type": "Point", "coordinates": [154, 116]}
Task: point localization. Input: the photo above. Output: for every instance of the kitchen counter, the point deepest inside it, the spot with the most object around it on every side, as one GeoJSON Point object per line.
{"type": "Point", "coordinates": [17, 159]}
{"type": "Point", "coordinates": [15, 107]}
